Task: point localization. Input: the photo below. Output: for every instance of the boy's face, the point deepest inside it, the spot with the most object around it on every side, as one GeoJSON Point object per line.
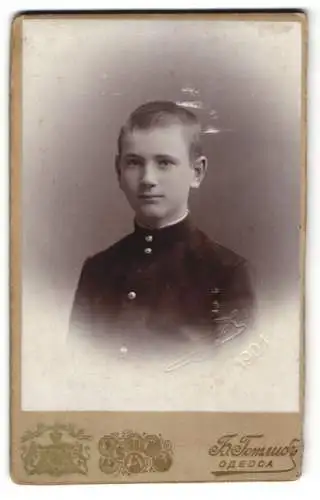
{"type": "Point", "coordinates": [155, 172]}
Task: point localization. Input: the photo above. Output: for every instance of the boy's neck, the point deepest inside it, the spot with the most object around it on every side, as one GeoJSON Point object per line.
{"type": "Point", "coordinates": [160, 224]}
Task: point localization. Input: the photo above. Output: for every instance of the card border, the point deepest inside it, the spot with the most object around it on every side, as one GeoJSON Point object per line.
{"type": "Point", "coordinates": [17, 416]}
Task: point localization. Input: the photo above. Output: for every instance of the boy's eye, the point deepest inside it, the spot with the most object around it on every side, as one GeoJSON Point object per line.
{"type": "Point", "coordinates": [165, 163]}
{"type": "Point", "coordinates": [133, 162]}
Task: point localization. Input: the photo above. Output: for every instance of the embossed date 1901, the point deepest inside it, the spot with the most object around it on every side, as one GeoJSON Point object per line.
{"type": "Point", "coordinates": [253, 351]}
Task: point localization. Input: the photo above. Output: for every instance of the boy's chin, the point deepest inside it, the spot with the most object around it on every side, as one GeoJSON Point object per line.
{"type": "Point", "coordinates": [152, 212]}
{"type": "Point", "coordinates": [151, 216]}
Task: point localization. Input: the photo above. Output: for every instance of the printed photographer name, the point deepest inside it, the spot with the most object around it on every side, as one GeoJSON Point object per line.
{"type": "Point", "coordinates": [232, 445]}
{"type": "Point", "coordinates": [249, 451]}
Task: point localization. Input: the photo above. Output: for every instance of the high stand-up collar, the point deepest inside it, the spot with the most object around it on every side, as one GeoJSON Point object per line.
{"type": "Point", "coordinates": [172, 232]}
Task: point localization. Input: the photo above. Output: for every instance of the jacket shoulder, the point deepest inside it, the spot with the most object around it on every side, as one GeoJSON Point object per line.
{"type": "Point", "coordinates": [109, 255]}
{"type": "Point", "coordinates": [214, 253]}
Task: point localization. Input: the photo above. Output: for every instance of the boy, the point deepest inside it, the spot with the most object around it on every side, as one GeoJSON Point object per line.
{"type": "Point", "coordinates": [166, 283]}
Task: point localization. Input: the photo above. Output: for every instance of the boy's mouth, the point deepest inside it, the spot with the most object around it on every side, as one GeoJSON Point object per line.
{"type": "Point", "coordinates": [150, 196]}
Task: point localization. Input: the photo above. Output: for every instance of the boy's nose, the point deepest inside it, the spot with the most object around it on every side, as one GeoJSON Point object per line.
{"type": "Point", "coordinates": [149, 176]}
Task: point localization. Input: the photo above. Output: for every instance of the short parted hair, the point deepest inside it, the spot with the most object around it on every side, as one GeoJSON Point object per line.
{"type": "Point", "coordinates": [162, 114]}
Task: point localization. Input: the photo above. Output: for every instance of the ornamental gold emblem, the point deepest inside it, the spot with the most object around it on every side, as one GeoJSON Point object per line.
{"type": "Point", "coordinates": [129, 452]}
{"type": "Point", "coordinates": [56, 450]}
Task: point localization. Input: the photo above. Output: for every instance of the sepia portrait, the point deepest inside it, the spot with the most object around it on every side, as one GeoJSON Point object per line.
{"type": "Point", "coordinates": [166, 283]}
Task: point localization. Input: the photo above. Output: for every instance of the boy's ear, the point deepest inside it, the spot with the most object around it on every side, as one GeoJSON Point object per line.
{"type": "Point", "coordinates": [199, 171]}
{"type": "Point", "coordinates": [117, 167]}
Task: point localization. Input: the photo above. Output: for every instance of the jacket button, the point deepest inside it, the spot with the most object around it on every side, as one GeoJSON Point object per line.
{"type": "Point", "coordinates": [149, 237]}
{"type": "Point", "coordinates": [147, 250]}
{"type": "Point", "coordinates": [132, 295]}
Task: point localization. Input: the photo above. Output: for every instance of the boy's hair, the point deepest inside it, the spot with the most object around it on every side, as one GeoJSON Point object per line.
{"type": "Point", "coordinates": [164, 113]}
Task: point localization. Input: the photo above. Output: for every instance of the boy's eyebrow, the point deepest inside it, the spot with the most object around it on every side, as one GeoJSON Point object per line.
{"type": "Point", "coordinates": [164, 156]}
{"type": "Point", "coordinates": [159, 156]}
{"type": "Point", "coordinates": [133, 155]}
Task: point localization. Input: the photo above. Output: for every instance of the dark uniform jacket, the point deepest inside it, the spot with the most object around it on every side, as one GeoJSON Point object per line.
{"type": "Point", "coordinates": [168, 286]}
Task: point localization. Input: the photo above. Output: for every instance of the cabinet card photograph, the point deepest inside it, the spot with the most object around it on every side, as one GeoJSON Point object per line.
{"type": "Point", "coordinates": [158, 180]}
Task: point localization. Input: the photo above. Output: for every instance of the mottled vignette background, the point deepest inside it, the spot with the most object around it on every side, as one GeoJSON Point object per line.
{"type": "Point", "coordinates": [81, 79]}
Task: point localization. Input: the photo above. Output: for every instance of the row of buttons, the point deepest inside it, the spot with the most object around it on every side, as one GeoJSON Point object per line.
{"type": "Point", "coordinates": [148, 238]}
{"type": "Point", "coordinates": [132, 295]}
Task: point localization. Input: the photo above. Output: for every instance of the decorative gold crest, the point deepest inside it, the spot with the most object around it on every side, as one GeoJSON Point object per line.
{"type": "Point", "coordinates": [55, 450]}
{"type": "Point", "coordinates": [131, 453]}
